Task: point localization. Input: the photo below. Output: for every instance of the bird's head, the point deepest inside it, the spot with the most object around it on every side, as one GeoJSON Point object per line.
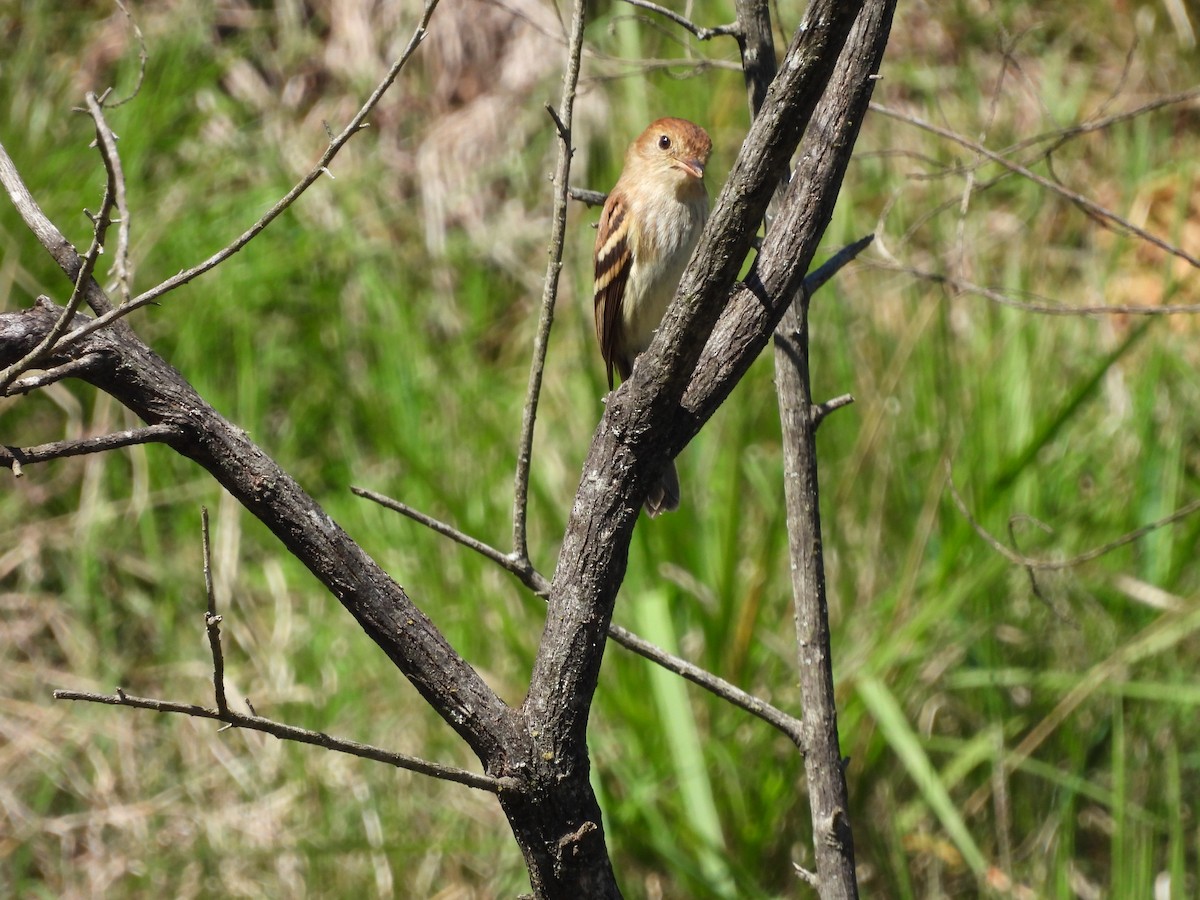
{"type": "Point", "coordinates": [674, 146]}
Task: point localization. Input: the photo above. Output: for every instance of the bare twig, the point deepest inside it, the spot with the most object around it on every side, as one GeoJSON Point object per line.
{"type": "Point", "coordinates": [142, 59]}
{"type": "Point", "coordinates": [1071, 131]}
{"type": "Point", "coordinates": [212, 621]}
{"type": "Point", "coordinates": [72, 369]}
{"type": "Point", "coordinates": [789, 725]}
{"type": "Point", "coordinates": [107, 142]}
{"type": "Point", "coordinates": [817, 278]}
{"type": "Point", "coordinates": [687, 68]}
{"type": "Point", "coordinates": [1044, 308]}
{"type": "Point", "coordinates": [699, 31]}
{"type": "Point", "coordinates": [522, 568]}
{"type": "Point", "coordinates": [821, 410]}
{"type": "Point", "coordinates": [321, 167]}
{"type": "Point", "coordinates": [563, 117]}
{"type": "Point", "coordinates": [83, 275]}
{"type": "Point", "coordinates": [1047, 565]}
{"type": "Point", "coordinates": [14, 457]}
{"type": "Point", "coordinates": [585, 196]}
{"type": "Point", "coordinates": [1085, 203]}
{"type": "Point", "coordinates": [809, 878]}
{"type": "Point", "coordinates": [292, 733]}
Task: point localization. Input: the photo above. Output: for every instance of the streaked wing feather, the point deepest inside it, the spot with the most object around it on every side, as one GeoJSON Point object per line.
{"type": "Point", "coordinates": [614, 259]}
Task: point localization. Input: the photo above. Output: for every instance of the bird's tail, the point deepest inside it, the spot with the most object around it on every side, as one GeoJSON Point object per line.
{"type": "Point", "coordinates": [664, 496]}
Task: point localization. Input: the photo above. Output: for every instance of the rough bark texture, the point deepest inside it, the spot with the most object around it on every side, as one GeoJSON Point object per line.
{"type": "Point", "coordinates": [827, 145]}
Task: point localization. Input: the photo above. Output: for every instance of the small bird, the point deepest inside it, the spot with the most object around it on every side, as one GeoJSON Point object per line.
{"type": "Point", "coordinates": [650, 225]}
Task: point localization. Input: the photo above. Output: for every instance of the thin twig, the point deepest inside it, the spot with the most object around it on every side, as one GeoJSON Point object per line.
{"type": "Point", "coordinates": [1053, 565]}
{"type": "Point", "coordinates": [585, 196]}
{"type": "Point", "coordinates": [1031, 573]}
{"type": "Point", "coordinates": [563, 118]}
{"type": "Point", "coordinates": [71, 369]}
{"type": "Point", "coordinates": [815, 279]}
{"type": "Point", "coordinates": [789, 725]}
{"type": "Point", "coordinates": [809, 878]}
{"type": "Point", "coordinates": [292, 733]}
{"type": "Point", "coordinates": [1088, 205]}
{"type": "Point", "coordinates": [699, 31]}
{"type": "Point", "coordinates": [321, 167]}
{"type": "Point", "coordinates": [1045, 308]}
{"type": "Point", "coordinates": [212, 621]}
{"type": "Point", "coordinates": [107, 142]}
{"type": "Point", "coordinates": [79, 292]}
{"type": "Point", "coordinates": [143, 57]}
{"type": "Point", "coordinates": [821, 410]}
{"type": "Point", "coordinates": [1061, 135]}
{"type": "Point", "coordinates": [14, 457]}
{"type": "Point", "coordinates": [523, 569]}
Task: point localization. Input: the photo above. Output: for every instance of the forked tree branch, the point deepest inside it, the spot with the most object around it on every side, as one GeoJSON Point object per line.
{"type": "Point", "coordinates": [645, 424]}
{"type": "Point", "coordinates": [540, 750]}
{"type": "Point", "coordinates": [540, 587]}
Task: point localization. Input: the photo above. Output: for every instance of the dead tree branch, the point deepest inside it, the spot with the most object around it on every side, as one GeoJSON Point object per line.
{"type": "Point", "coordinates": [293, 733]}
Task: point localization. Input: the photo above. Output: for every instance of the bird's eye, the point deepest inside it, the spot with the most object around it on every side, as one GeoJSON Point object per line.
{"type": "Point", "coordinates": [664, 142]}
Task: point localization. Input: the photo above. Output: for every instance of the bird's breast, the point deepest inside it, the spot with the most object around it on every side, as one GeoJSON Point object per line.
{"type": "Point", "coordinates": [660, 255]}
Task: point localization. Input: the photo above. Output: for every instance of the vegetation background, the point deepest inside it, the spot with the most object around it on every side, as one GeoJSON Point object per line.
{"type": "Point", "coordinates": [1004, 738]}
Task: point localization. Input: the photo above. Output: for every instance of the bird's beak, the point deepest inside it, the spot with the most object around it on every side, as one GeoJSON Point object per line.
{"type": "Point", "coordinates": [693, 167]}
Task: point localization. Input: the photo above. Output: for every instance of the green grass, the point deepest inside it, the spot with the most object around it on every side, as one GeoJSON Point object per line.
{"type": "Point", "coordinates": [1050, 743]}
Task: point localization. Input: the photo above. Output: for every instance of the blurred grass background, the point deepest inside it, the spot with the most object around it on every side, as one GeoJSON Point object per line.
{"type": "Point", "coordinates": [1002, 742]}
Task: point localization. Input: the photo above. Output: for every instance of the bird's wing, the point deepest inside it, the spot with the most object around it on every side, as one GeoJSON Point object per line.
{"type": "Point", "coordinates": [614, 259]}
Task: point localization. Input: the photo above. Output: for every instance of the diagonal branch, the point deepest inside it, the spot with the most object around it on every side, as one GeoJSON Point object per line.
{"type": "Point", "coordinates": [144, 383]}
{"type": "Point", "coordinates": [16, 457]}
{"type": "Point", "coordinates": [75, 368]}
{"type": "Point", "coordinates": [1049, 565]}
{"type": "Point", "coordinates": [699, 31]}
{"type": "Point", "coordinates": [293, 733]}
{"type": "Point", "coordinates": [1085, 203]}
